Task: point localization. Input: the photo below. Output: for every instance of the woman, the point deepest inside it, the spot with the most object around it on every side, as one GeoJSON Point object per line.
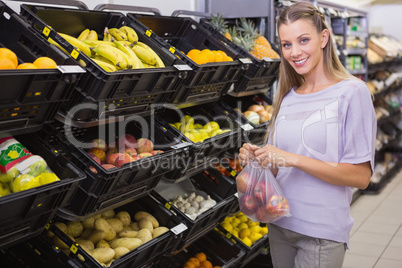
{"type": "Point", "coordinates": [321, 143]}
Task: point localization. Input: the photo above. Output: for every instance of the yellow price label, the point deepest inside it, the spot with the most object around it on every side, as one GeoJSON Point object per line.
{"type": "Point", "coordinates": [168, 206]}
{"type": "Point", "coordinates": [46, 30]}
{"type": "Point", "coordinates": [47, 226]}
{"type": "Point", "coordinates": [172, 49]}
{"type": "Point", "coordinates": [73, 248]}
{"type": "Point", "coordinates": [74, 54]}
{"type": "Point", "coordinates": [228, 235]}
{"type": "Point", "coordinates": [233, 173]}
{"type": "Point", "coordinates": [148, 33]}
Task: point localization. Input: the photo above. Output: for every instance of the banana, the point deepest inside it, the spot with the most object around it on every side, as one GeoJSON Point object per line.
{"type": "Point", "coordinates": [77, 43]}
{"type": "Point", "coordinates": [93, 35]}
{"type": "Point", "coordinates": [159, 62]}
{"type": "Point", "coordinates": [51, 41]}
{"type": "Point", "coordinates": [136, 62]}
{"type": "Point", "coordinates": [117, 34]}
{"type": "Point", "coordinates": [144, 55]}
{"type": "Point", "coordinates": [104, 65]}
{"type": "Point", "coordinates": [107, 36]}
{"type": "Point", "coordinates": [113, 54]}
{"type": "Point", "coordinates": [130, 32]}
{"type": "Point", "coordinates": [83, 35]}
{"type": "Point", "coordinates": [148, 66]}
{"type": "Point", "coordinates": [94, 43]}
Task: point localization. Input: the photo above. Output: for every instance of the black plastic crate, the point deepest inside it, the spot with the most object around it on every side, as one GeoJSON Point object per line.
{"type": "Point", "coordinates": [220, 189]}
{"type": "Point", "coordinates": [112, 187]}
{"type": "Point", "coordinates": [259, 76]}
{"type": "Point", "coordinates": [114, 92]}
{"type": "Point", "coordinates": [219, 251]}
{"type": "Point", "coordinates": [206, 82]}
{"type": "Point", "coordinates": [24, 214]}
{"type": "Point", "coordinates": [31, 97]}
{"type": "Point", "coordinates": [49, 254]}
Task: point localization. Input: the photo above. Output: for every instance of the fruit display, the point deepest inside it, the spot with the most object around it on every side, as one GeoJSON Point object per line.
{"type": "Point", "coordinates": [243, 228]}
{"type": "Point", "coordinates": [245, 35]}
{"type": "Point", "coordinates": [197, 132]}
{"type": "Point", "coordinates": [109, 235]}
{"type": "Point", "coordinates": [125, 150]}
{"type": "Point", "coordinates": [199, 260]}
{"type": "Point", "coordinates": [206, 56]}
{"type": "Point", "coordinates": [257, 113]}
{"type": "Point", "coordinates": [9, 60]}
{"type": "Point", "coordinates": [20, 169]}
{"type": "Point", "coordinates": [233, 163]}
{"type": "Point", "coordinates": [118, 49]}
{"type": "Point", "coordinates": [192, 204]}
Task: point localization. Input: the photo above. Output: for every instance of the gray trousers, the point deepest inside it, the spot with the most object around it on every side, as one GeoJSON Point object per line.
{"type": "Point", "coordinates": [293, 250]}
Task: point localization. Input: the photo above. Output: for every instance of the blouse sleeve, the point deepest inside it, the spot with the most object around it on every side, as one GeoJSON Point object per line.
{"type": "Point", "coordinates": [360, 127]}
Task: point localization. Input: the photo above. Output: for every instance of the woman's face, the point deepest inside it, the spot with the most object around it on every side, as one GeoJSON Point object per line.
{"type": "Point", "coordinates": [302, 46]}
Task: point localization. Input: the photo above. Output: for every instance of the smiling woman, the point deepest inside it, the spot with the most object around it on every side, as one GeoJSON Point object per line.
{"type": "Point", "coordinates": [320, 143]}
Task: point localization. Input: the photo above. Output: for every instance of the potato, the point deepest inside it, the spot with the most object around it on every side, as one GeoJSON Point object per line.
{"type": "Point", "coordinates": [129, 243]}
{"type": "Point", "coordinates": [98, 216]}
{"type": "Point", "coordinates": [146, 223]}
{"type": "Point", "coordinates": [102, 224]}
{"type": "Point", "coordinates": [61, 225]}
{"type": "Point", "coordinates": [116, 224]}
{"type": "Point", "coordinates": [108, 214]}
{"type": "Point", "coordinates": [120, 251]}
{"type": "Point", "coordinates": [74, 228]}
{"type": "Point", "coordinates": [127, 228]}
{"type": "Point", "coordinates": [103, 244]}
{"type": "Point", "coordinates": [103, 255]}
{"type": "Point", "coordinates": [85, 244]}
{"type": "Point", "coordinates": [159, 230]}
{"type": "Point", "coordinates": [145, 235]}
{"type": "Point", "coordinates": [125, 217]}
{"type": "Point", "coordinates": [86, 233]}
{"type": "Point", "coordinates": [142, 214]}
{"type": "Point", "coordinates": [89, 223]}
{"type": "Point", "coordinates": [97, 236]}
{"type": "Point", "coordinates": [134, 226]}
{"type": "Point", "coordinates": [131, 234]}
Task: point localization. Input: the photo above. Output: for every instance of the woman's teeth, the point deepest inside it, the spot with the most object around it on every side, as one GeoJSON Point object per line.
{"type": "Point", "coordinates": [302, 61]}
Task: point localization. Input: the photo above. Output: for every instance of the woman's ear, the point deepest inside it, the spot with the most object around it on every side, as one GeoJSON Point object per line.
{"type": "Point", "coordinates": [324, 37]}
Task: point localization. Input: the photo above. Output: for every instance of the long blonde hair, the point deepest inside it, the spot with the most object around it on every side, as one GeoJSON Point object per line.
{"type": "Point", "coordinates": [288, 77]}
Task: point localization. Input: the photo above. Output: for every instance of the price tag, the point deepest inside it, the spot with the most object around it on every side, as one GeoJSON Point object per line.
{"type": "Point", "coordinates": [247, 127]}
{"type": "Point", "coordinates": [228, 235]}
{"type": "Point", "coordinates": [237, 195]}
{"type": "Point", "coordinates": [74, 54]}
{"type": "Point", "coordinates": [65, 69]}
{"type": "Point", "coordinates": [245, 60]}
{"type": "Point", "coordinates": [148, 33]}
{"type": "Point", "coordinates": [168, 206]}
{"type": "Point", "coordinates": [179, 228]}
{"type": "Point", "coordinates": [267, 59]}
{"type": "Point", "coordinates": [74, 248]}
{"type": "Point", "coordinates": [46, 30]}
{"type": "Point", "coordinates": [233, 173]}
{"type": "Point", "coordinates": [183, 67]}
{"type": "Point", "coordinates": [172, 50]}
{"type": "Point", "coordinates": [47, 226]}
{"type": "Point", "coordinates": [181, 145]}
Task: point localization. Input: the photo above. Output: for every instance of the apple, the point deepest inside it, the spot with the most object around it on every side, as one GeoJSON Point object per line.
{"type": "Point", "coordinates": [111, 158]}
{"type": "Point", "coordinates": [130, 151]}
{"type": "Point", "coordinates": [264, 116]}
{"type": "Point", "coordinates": [154, 152]}
{"type": "Point", "coordinates": [100, 144]}
{"type": "Point", "coordinates": [277, 206]}
{"type": "Point", "coordinates": [122, 159]}
{"type": "Point", "coordinates": [98, 153]}
{"type": "Point", "coordinates": [247, 204]}
{"type": "Point", "coordinates": [242, 181]}
{"type": "Point", "coordinates": [95, 158]}
{"type": "Point", "coordinates": [145, 146]}
{"type": "Point", "coordinates": [127, 141]}
{"type": "Point", "coordinates": [136, 157]}
{"type": "Point", "coordinates": [143, 155]}
{"type": "Point", "coordinates": [262, 215]}
{"type": "Point", "coordinates": [261, 192]}
{"type": "Point", "coordinates": [108, 166]}
{"type": "Point", "coordinates": [256, 108]}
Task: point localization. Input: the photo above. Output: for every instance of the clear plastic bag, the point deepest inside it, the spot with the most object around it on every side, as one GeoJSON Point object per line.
{"type": "Point", "coordinates": [260, 196]}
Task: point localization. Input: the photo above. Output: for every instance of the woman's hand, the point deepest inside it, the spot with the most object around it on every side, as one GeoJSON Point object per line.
{"type": "Point", "coordinates": [274, 157]}
{"type": "Point", "coordinates": [247, 153]}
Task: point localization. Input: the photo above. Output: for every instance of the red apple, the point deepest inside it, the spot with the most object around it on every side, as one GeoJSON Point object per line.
{"type": "Point", "coordinates": [127, 141]}
{"type": "Point", "coordinates": [111, 158]}
{"type": "Point", "coordinates": [242, 181]}
{"type": "Point", "coordinates": [130, 151]}
{"type": "Point", "coordinates": [122, 159]}
{"type": "Point", "coordinates": [108, 166]}
{"type": "Point", "coordinates": [95, 158]}
{"type": "Point", "coordinates": [262, 215]}
{"type": "Point", "coordinates": [136, 157]}
{"type": "Point", "coordinates": [247, 204]}
{"type": "Point", "coordinates": [261, 192]}
{"type": "Point", "coordinates": [145, 146]}
{"type": "Point", "coordinates": [154, 152]}
{"type": "Point", "coordinates": [100, 144]}
{"type": "Point", "coordinates": [277, 206]}
{"type": "Point", "coordinates": [143, 155]}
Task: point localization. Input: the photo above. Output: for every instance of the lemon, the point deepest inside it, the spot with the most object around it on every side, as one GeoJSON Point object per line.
{"type": "Point", "coordinates": [235, 233]}
{"type": "Point", "coordinates": [196, 134]}
{"type": "Point", "coordinates": [228, 227]}
{"type": "Point", "coordinates": [189, 136]}
{"type": "Point", "coordinates": [178, 125]}
{"type": "Point", "coordinates": [211, 126]}
{"type": "Point", "coordinates": [236, 222]}
{"type": "Point", "coordinates": [255, 229]}
{"type": "Point", "coordinates": [204, 133]}
{"type": "Point", "coordinates": [244, 233]}
{"type": "Point", "coordinates": [239, 214]}
{"type": "Point", "coordinates": [264, 230]}
{"type": "Point", "coordinates": [247, 241]}
{"type": "Point", "coordinates": [243, 225]}
{"type": "Point", "coordinates": [197, 126]}
{"type": "Point", "coordinates": [173, 125]}
{"type": "Point", "coordinates": [47, 177]}
{"type": "Point", "coordinates": [4, 189]}
{"type": "Point", "coordinates": [243, 218]}
{"type": "Point", "coordinates": [255, 236]}
{"type": "Point", "coordinates": [188, 119]}
{"type": "Point", "coordinates": [216, 132]}
{"type": "Point", "coordinates": [25, 182]}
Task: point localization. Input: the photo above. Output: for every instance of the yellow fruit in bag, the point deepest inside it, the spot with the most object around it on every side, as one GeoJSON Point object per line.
{"type": "Point", "coordinates": [24, 182]}
{"type": "Point", "coordinates": [4, 189]}
{"type": "Point", "coordinates": [47, 177]}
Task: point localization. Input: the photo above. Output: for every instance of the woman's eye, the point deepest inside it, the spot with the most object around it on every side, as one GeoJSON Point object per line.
{"type": "Point", "coordinates": [285, 45]}
{"type": "Point", "coordinates": [304, 40]}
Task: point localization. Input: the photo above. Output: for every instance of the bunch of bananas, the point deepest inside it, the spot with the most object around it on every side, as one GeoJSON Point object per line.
{"type": "Point", "coordinates": [120, 49]}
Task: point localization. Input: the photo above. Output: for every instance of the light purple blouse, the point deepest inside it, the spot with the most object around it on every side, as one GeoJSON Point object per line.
{"type": "Point", "coordinates": [337, 124]}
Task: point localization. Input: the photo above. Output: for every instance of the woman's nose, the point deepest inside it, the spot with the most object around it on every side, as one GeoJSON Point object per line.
{"type": "Point", "coordinates": [295, 51]}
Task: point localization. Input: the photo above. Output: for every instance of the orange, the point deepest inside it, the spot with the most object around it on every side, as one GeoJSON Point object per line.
{"type": "Point", "coordinates": [218, 56]}
{"type": "Point", "coordinates": [229, 58]}
{"type": "Point", "coordinates": [201, 256]}
{"type": "Point", "coordinates": [195, 261]}
{"type": "Point", "coordinates": [208, 53]}
{"type": "Point", "coordinates": [206, 264]}
{"type": "Point", "coordinates": [9, 54]}
{"type": "Point", "coordinates": [27, 65]}
{"type": "Point", "coordinates": [45, 63]}
{"type": "Point", "coordinates": [189, 264]}
{"type": "Point", "coordinates": [6, 64]}
{"type": "Point", "coordinates": [193, 52]}
{"type": "Point", "coordinates": [200, 59]}
{"type": "Point", "coordinates": [224, 56]}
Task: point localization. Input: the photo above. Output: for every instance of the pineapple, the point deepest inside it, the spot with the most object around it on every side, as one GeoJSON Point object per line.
{"type": "Point", "coordinates": [220, 24]}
